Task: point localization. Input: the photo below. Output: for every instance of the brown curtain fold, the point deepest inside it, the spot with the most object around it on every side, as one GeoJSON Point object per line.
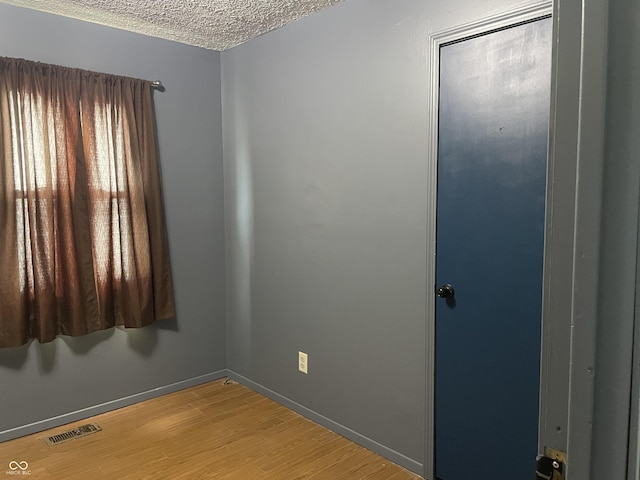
{"type": "Point", "coordinates": [82, 231]}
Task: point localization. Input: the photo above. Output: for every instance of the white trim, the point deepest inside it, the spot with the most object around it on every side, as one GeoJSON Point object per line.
{"type": "Point", "coordinates": [436, 40]}
{"type": "Point", "coordinates": [63, 419]}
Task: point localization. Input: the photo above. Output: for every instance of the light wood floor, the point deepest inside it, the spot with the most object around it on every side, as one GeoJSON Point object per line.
{"type": "Point", "coordinates": [212, 431]}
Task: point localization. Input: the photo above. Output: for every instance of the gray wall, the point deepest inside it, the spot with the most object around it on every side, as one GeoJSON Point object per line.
{"type": "Point", "coordinates": [618, 275]}
{"type": "Point", "coordinates": [70, 374]}
{"type": "Point", "coordinates": [325, 140]}
{"type": "Point", "coordinates": [325, 147]}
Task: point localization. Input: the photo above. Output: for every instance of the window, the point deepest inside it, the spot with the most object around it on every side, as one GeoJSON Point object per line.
{"type": "Point", "coordinates": [84, 243]}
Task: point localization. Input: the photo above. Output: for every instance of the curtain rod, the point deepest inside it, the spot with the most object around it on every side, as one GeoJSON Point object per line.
{"type": "Point", "coordinates": [157, 85]}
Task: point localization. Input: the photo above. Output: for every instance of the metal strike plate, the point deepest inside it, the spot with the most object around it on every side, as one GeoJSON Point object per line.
{"type": "Point", "coordinates": [556, 455]}
{"type": "Point", "coordinates": [551, 466]}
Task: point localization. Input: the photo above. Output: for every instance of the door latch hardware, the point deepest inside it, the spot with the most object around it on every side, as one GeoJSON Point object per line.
{"type": "Point", "coordinates": [551, 465]}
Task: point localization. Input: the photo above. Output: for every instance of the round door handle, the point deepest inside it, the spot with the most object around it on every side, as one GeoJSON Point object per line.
{"type": "Point", "coordinates": [446, 291]}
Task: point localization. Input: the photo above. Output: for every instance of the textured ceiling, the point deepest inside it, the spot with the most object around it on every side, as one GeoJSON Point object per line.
{"type": "Point", "coordinates": [213, 24]}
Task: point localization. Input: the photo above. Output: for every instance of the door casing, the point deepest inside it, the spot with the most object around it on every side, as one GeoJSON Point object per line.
{"type": "Point", "coordinates": [436, 40]}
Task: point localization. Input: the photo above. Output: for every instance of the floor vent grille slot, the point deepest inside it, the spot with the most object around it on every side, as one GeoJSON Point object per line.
{"type": "Point", "coordinates": [80, 431]}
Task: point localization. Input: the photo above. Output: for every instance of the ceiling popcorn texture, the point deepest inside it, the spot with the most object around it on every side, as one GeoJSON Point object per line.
{"type": "Point", "coordinates": [212, 24]}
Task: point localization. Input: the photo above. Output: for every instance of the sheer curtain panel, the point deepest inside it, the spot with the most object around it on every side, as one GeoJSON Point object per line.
{"type": "Point", "coordinates": [83, 244]}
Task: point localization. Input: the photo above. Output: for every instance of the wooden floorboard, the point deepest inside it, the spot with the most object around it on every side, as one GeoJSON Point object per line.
{"type": "Point", "coordinates": [212, 431]}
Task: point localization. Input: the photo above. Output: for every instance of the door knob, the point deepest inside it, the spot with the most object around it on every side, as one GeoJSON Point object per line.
{"type": "Point", "coordinates": [446, 291]}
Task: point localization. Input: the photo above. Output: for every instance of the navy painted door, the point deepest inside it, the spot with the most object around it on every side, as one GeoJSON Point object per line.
{"type": "Point", "coordinates": [492, 157]}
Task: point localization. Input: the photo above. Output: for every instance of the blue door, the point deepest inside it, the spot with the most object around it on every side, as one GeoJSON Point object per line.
{"type": "Point", "coordinates": [492, 159]}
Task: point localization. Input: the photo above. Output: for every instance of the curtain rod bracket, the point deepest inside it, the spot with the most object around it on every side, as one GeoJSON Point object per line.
{"type": "Point", "coordinates": [157, 85]}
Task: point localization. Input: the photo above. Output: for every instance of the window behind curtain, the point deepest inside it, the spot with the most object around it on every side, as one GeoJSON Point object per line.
{"type": "Point", "coordinates": [84, 244]}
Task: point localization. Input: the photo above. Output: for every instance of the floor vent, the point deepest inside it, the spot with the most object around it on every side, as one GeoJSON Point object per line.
{"type": "Point", "coordinates": [80, 431]}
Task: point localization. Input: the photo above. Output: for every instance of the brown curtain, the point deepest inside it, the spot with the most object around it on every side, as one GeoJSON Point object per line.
{"type": "Point", "coordinates": [83, 243]}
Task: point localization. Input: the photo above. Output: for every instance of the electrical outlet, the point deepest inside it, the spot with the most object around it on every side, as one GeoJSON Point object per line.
{"type": "Point", "coordinates": [303, 362]}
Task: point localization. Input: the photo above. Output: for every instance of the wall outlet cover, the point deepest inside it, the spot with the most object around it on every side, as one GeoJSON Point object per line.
{"type": "Point", "coordinates": [303, 362]}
